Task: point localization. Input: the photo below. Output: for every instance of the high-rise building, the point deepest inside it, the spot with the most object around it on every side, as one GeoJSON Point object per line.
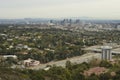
{"type": "Point", "coordinates": [106, 53]}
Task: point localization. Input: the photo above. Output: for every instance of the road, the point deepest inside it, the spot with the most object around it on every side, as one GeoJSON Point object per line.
{"type": "Point", "coordinates": [79, 59]}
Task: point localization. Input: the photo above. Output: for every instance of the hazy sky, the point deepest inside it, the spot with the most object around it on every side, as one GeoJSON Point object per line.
{"type": "Point", "coordinates": [109, 9]}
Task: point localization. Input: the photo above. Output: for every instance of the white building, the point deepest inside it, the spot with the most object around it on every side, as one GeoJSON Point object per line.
{"type": "Point", "coordinates": [10, 56]}
{"type": "Point", "coordinates": [30, 62]}
{"type": "Point", "coordinates": [118, 27]}
{"type": "Point", "coordinates": [106, 53]}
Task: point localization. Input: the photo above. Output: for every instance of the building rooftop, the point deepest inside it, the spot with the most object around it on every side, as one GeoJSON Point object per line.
{"type": "Point", "coordinates": [106, 47]}
{"type": "Point", "coordinates": [95, 70]}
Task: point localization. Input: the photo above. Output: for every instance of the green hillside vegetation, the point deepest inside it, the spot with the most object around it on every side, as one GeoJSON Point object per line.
{"type": "Point", "coordinates": [10, 74]}
{"type": "Point", "coordinates": [71, 72]}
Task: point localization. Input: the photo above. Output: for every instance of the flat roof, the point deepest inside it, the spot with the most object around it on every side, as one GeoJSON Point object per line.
{"type": "Point", "coordinates": [106, 47]}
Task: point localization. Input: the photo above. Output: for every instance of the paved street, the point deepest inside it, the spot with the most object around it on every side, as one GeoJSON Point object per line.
{"type": "Point", "coordinates": [79, 59]}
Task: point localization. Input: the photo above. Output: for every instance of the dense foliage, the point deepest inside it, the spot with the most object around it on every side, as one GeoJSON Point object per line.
{"type": "Point", "coordinates": [71, 72]}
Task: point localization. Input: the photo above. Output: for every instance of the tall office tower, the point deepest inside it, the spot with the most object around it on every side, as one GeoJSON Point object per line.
{"type": "Point", "coordinates": [106, 53]}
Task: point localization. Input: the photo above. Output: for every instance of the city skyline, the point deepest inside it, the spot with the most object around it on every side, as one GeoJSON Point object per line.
{"type": "Point", "coordinates": [100, 9]}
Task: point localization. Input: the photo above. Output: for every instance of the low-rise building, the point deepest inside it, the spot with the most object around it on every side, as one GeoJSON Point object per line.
{"type": "Point", "coordinates": [96, 71]}
{"type": "Point", "coordinates": [10, 56]}
{"type": "Point", "coordinates": [30, 62]}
